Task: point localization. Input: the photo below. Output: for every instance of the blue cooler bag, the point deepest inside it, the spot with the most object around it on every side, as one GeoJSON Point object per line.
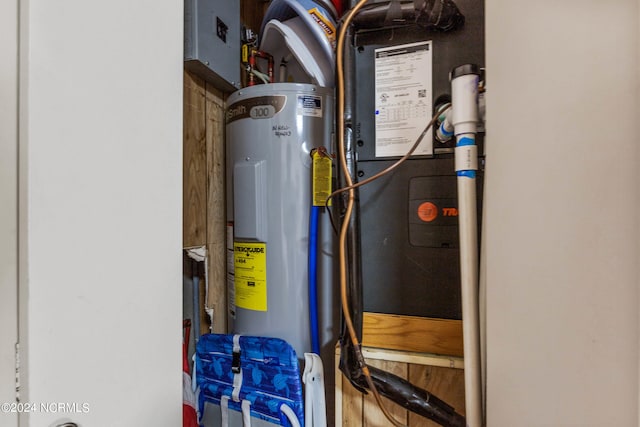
{"type": "Point", "coordinates": [247, 381]}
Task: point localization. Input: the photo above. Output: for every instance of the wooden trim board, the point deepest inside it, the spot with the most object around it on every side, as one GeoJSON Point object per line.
{"type": "Point", "coordinates": [413, 358]}
{"type": "Point", "coordinates": [216, 206]}
{"type": "Point", "coordinates": [411, 333]}
{"type": "Point", "coordinates": [194, 177]}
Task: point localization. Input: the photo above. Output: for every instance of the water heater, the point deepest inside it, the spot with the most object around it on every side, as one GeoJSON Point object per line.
{"type": "Point", "coordinates": [271, 131]}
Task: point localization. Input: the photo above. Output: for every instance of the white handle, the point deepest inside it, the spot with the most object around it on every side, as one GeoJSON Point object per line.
{"type": "Point", "coordinates": [291, 416]}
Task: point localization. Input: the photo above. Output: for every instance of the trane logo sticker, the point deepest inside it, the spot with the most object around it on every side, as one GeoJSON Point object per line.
{"type": "Point", "coordinates": [428, 212]}
{"type": "Point", "coordinates": [449, 212]}
{"type": "Point", "coordinates": [261, 107]}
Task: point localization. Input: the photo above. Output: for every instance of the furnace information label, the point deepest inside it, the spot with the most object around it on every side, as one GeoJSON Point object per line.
{"type": "Point", "coordinates": [250, 267]}
{"type": "Point", "coordinates": [403, 103]}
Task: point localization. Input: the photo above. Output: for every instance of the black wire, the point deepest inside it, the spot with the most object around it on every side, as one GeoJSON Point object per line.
{"type": "Point", "coordinates": [328, 208]}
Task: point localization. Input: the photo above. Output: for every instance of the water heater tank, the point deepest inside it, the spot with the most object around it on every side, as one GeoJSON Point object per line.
{"type": "Point", "coordinates": [271, 131]}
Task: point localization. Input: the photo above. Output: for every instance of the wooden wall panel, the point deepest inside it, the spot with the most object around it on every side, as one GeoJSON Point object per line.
{"type": "Point", "coordinates": [372, 414]}
{"type": "Point", "coordinates": [445, 383]}
{"type": "Point", "coordinates": [351, 405]}
{"type": "Point", "coordinates": [252, 12]}
{"type": "Point", "coordinates": [204, 212]}
{"type": "Point", "coordinates": [194, 182]}
{"type": "Point", "coordinates": [216, 207]}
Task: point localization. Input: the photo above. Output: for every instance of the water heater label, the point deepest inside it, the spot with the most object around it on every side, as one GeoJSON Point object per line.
{"type": "Point", "coordinates": [250, 267]}
{"type": "Point", "coordinates": [261, 107]}
{"type": "Point", "coordinates": [310, 105]}
{"type": "Point", "coordinates": [403, 96]}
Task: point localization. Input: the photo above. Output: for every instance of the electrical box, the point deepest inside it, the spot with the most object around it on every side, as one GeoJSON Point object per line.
{"type": "Point", "coordinates": [212, 41]}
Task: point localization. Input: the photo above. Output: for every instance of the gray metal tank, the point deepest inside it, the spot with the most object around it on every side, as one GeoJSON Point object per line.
{"type": "Point", "coordinates": [271, 130]}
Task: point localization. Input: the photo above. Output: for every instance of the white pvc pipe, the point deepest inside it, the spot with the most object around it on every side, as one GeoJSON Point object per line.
{"type": "Point", "coordinates": [467, 217]}
{"type": "Point", "coordinates": [464, 94]}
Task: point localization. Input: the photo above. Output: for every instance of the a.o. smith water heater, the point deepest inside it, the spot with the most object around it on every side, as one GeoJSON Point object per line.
{"type": "Point", "coordinates": [271, 131]}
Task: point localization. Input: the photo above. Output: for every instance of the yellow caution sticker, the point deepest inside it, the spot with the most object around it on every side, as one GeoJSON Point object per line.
{"type": "Point", "coordinates": [245, 53]}
{"type": "Point", "coordinates": [321, 178]}
{"type": "Point", "coordinates": [250, 265]}
{"type": "Point", "coordinates": [326, 25]}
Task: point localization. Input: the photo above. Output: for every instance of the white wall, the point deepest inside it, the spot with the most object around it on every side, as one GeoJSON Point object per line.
{"type": "Point", "coordinates": [562, 212]}
{"type": "Point", "coordinates": [101, 150]}
{"type": "Point", "coordinates": [8, 203]}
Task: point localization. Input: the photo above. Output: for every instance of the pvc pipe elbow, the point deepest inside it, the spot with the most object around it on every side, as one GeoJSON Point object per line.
{"type": "Point", "coordinates": [444, 132]}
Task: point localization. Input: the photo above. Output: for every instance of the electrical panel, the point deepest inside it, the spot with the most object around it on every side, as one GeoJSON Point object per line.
{"type": "Point", "coordinates": [408, 219]}
{"type": "Point", "coordinates": [212, 41]}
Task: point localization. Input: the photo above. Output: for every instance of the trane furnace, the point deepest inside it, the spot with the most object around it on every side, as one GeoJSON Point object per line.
{"type": "Point", "coordinates": [408, 225]}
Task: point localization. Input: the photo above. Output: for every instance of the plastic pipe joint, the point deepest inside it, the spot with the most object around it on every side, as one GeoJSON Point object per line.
{"type": "Point", "coordinates": [464, 98]}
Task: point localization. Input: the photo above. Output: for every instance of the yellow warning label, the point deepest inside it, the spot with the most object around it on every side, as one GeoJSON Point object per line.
{"type": "Point", "coordinates": [245, 53]}
{"type": "Point", "coordinates": [326, 25]}
{"type": "Point", "coordinates": [250, 264]}
{"type": "Point", "coordinates": [321, 178]}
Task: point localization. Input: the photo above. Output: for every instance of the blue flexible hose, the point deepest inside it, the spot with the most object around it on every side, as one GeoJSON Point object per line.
{"type": "Point", "coordinates": [313, 279]}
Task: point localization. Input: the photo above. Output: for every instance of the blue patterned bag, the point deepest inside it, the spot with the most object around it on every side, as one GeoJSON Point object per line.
{"type": "Point", "coordinates": [256, 372]}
